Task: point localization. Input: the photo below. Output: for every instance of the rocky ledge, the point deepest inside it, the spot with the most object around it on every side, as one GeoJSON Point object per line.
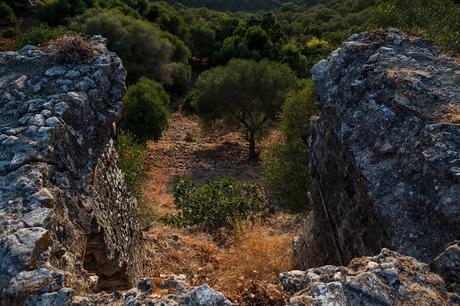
{"type": "Point", "coordinates": [386, 279]}
{"type": "Point", "coordinates": [66, 218]}
{"type": "Point", "coordinates": [385, 153]}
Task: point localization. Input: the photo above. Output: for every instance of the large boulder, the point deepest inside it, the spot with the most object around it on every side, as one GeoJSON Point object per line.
{"type": "Point", "coordinates": [385, 152]}
{"type": "Point", "coordinates": [66, 217]}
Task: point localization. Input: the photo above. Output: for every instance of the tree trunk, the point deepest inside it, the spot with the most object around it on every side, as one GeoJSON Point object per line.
{"type": "Point", "coordinates": [252, 147]}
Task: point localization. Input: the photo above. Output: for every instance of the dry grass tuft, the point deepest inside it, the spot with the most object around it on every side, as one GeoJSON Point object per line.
{"type": "Point", "coordinates": [257, 254]}
{"type": "Point", "coordinates": [245, 269]}
{"type": "Point", "coordinates": [73, 50]}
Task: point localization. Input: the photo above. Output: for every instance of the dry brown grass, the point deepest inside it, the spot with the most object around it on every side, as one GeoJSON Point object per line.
{"type": "Point", "coordinates": [249, 262]}
{"type": "Point", "coordinates": [256, 253]}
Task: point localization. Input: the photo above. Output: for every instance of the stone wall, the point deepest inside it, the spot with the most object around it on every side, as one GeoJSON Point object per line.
{"type": "Point", "coordinates": [385, 151]}
{"type": "Point", "coordinates": [66, 218]}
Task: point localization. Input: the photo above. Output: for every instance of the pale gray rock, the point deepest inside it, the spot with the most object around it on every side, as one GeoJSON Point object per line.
{"type": "Point", "coordinates": [386, 279]}
{"type": "Point", "coordinates": [205, 295]}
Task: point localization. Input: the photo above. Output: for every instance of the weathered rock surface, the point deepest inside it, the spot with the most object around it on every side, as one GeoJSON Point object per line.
{"type": "Point", "coordinates": [66, 218]}
{"type": "Point", "coordinates": [385, 151]}
{"type": "Point", "coordinates": [386, 279]}
{"type": "Point", "coordinates": [164, 291]}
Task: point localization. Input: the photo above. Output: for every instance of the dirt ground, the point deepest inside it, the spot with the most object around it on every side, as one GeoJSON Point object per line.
{"type": "Point", "coordinates": [251, 257]}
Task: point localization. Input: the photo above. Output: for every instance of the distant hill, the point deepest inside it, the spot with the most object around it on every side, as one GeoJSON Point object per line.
{"type": "Point", "coordinates": [235, 5]}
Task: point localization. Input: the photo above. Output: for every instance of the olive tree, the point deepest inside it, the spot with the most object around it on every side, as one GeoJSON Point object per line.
{"type": "Point", "coordinates": [244, 93]}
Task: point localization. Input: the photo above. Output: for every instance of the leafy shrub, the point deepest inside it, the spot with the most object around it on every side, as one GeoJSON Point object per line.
{"type": "Point", "coordinates": [11, 33]}
{"type": "Point", "coordinates": [41, 34]}
{"type": "Point", "coordinates": [131, 159]}
{"type": "Point", "coordinates": [146, 213]}
{"type": "Point", "coordinates": [436, 19]}
{"type": "Point", "coordinates": [74, 50]}
{"type": "Point", "coordinates": [7, 16]}
{"type": "Point", "coordinates": [285, 161]}
{"type": "Point", "coordinates": [146, 110]}
{"type": "Point", "coordinates": [145, 49]}
{"type": "Point", "coordinates": [53, 12]}
{"type": "Point", "coordinates": [216, 203]}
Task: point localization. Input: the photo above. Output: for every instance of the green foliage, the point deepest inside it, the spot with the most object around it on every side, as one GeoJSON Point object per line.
{"type": "Point", "coordinates": [145, 50]}
{"type": "Point", "coordinates": [216, 203]}
{"type": "Point", "coordinates": [7, 16]}
{"type": "Point", "coordinates": [314, 50]}
{"type": "Point", "coordinates": [146, 213]}
{"type": "Point", "coordinates": [437, 20]}
{"type": "Point", "coordinates": [245, 93]}
{"type": "Point", "coordinates": [146, 110]}
{"type": "Point", "coordinates": [285, 160]}
{"type": "Point", "coordinates": [131, 158]}
{"type": "Point", "coordinates": [41, 34]}
{"type": "Point", "coordinates": [202, 40]}
{"type": "Point", "coordinates": [292, 56]}
{"type": "Point", "coordinates": [233, 5]}
{"type": "Point", "coordinates": [54, 12]}
{"type": "Point", "coordinates": [10, 32]}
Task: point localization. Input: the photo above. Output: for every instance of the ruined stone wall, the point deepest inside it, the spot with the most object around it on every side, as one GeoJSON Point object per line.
{"type": "Point", "coordinates": [66, 218]}
{"type": "Point", "coordinates": [385, 151]}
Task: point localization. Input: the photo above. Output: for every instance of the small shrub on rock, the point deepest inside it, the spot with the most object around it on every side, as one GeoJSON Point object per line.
{"type": "Point", "coordinates": [74, 50]}
{"type": "Point", "coordinates": [146, 110]}
{"type": "Point", "coordinates": [215, 203]}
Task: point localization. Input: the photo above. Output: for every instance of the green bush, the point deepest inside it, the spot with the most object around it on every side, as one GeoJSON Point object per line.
{"type": "Point", "coordinates": [146, 110]}
{"type": "Point", "coordinates": [7, 16]}
{"type": "Point", "coordinates": [54, 12]}
{"type": "Point", "coordinates": [131, 160]}
{"type": "Point", "coordinates": [285, 161]}
{"type": "Point", "coordinates": [215, 203]}
{"type": "Point", "coordinates": [143, 47]}
{"type": "Point", "coordinates": [11, 33]}
{"type": "Point", "coordinates": [41, 34]}
{"type": "Point", "coordinates": [436, 19]}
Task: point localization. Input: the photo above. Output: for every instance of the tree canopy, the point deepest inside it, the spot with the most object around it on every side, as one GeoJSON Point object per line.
{"type": "Point", "coordinates": [245, 93]}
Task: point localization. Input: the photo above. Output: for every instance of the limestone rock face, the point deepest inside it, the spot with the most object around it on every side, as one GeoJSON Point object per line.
{"type": "Point", "coordinates": [386, 279]}
{"type": "Point", "coordinates": [385, 151]}
{"type": "Point", "coordinates": [66, 218]}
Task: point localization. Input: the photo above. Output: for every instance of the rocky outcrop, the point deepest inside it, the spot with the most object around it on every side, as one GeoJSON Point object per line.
{"type": "Point", "coordinates": [66, 218]}
{"type": "Point", "coordinates": [385, 152]}
{"type": "Point", "coordinates": [386, 279]}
